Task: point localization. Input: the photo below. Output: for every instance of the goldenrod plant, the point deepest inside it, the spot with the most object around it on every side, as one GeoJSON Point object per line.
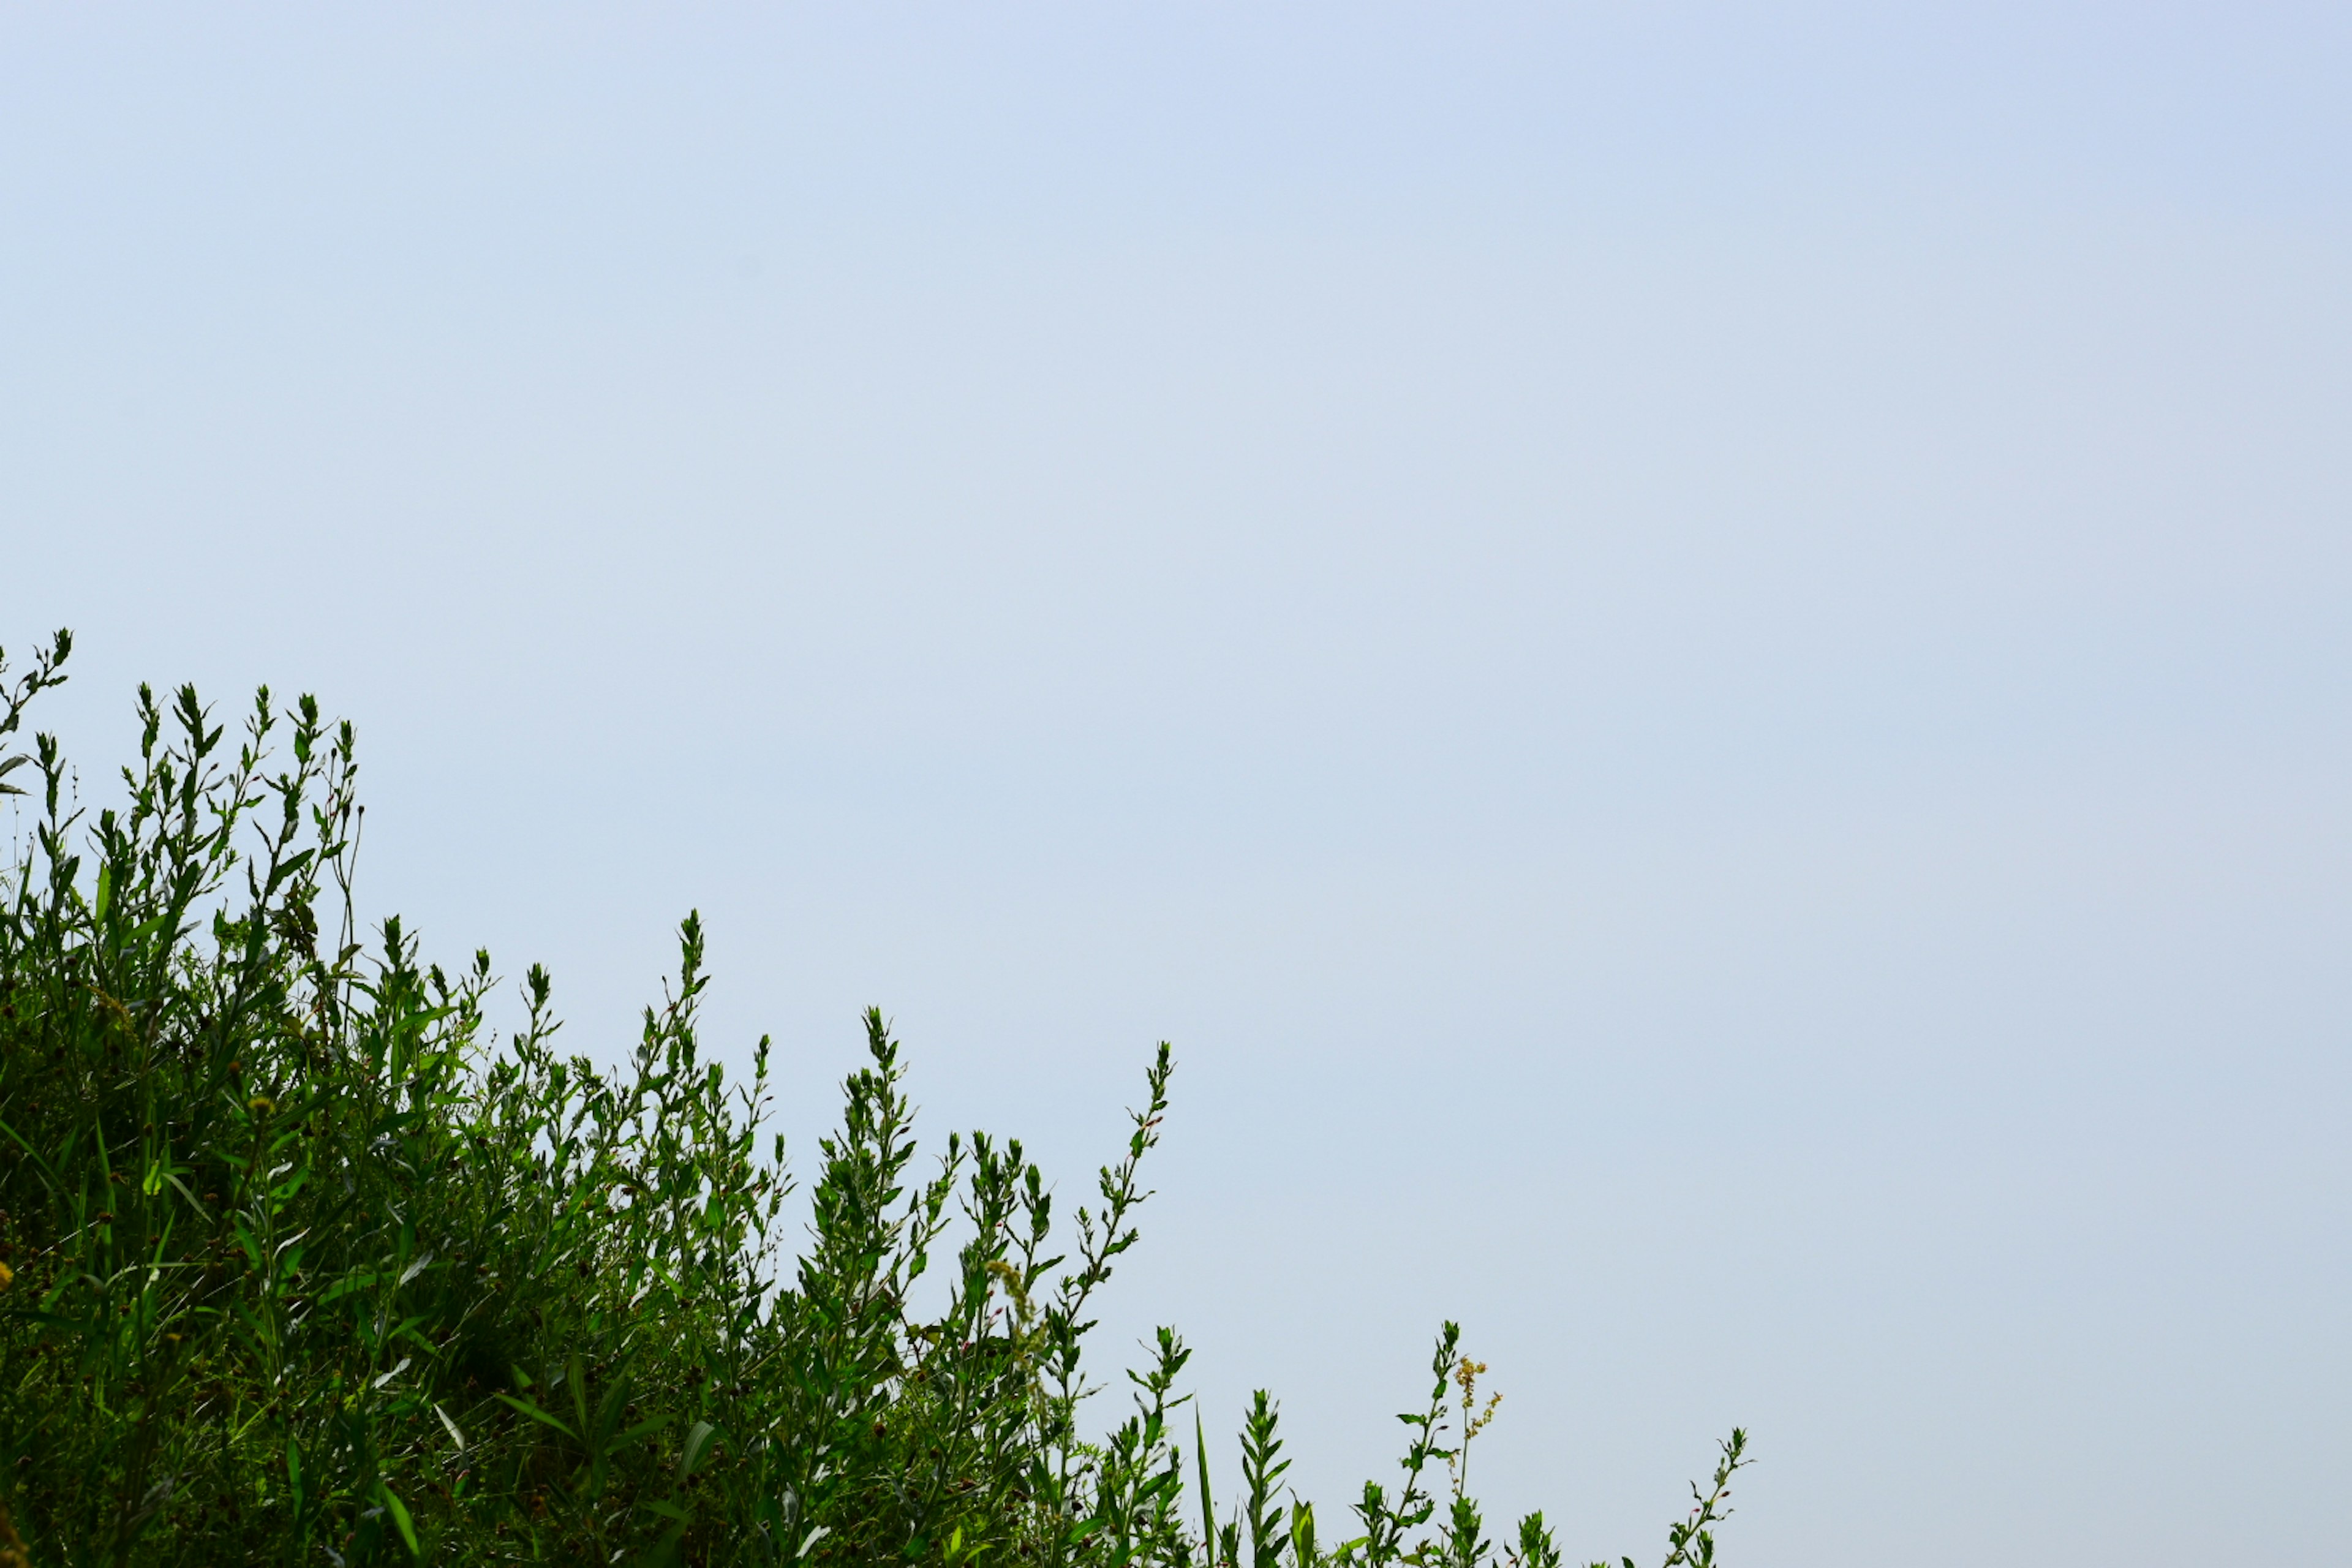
{"type": "Point", "coordinates": [300, 1264]}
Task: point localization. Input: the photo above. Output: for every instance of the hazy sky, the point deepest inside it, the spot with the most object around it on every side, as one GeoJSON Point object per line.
{"type": "Point", "coordinates": [1697, 658]}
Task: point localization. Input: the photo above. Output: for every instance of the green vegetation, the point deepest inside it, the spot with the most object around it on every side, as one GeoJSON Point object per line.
{"type": "Point", "coordinates": [303, 1266]}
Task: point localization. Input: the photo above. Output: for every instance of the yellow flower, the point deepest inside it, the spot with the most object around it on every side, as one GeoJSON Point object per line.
{"type": "Point", "coordinates": [8, 1276]}
{"type": "Point", "coordinates": [260, 1105]}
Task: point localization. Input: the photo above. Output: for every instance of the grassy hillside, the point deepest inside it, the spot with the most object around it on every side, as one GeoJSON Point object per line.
{"type": "Point", "coordinates": [302, 1265]}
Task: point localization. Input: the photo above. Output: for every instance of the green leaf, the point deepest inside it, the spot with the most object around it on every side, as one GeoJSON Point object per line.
{"type": "Point", "coordinates": [697, 1443]}
{"type": "Point", "coordinates": [536, 1414]}
{"type": "Point", "coordinates": [642, 1429]}
{"type": "Point", "coordinates": [31, 1152]}
{"type": "Point", "coordinates": [399, 1512]}
{"type": "Point", "coordinates": [345, 1286]}
{"type": "Point", "coordinates": [1208, 1509]}
{"type": "Point", "coordinates": [48, 1319]}
{"type": "Point", "coordinates": [251, 1244]}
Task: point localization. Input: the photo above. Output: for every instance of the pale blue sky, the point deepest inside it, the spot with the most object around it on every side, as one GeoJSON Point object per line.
{"type": "Point", "coordinates": [1696, 657]}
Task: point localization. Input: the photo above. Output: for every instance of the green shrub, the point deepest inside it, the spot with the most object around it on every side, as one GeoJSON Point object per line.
{"type": "Point", "coordinates": [302, 1265]}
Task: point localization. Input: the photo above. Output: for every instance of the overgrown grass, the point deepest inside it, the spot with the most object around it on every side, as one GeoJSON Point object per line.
{"type": "Point", "coordinates": [302, 1265]}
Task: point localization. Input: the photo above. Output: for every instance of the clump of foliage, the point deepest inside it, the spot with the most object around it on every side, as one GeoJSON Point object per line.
{"type": "Point", "coordinates": [299, 1264]}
